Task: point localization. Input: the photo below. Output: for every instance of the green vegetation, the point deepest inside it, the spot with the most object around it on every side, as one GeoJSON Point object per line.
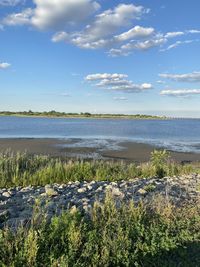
{"type": "Point", "coordinates": [157, 235]}
{"type": "Point", "coordinates": [54, 113]}
{"type": "Point", "coordinates": [22, 169]}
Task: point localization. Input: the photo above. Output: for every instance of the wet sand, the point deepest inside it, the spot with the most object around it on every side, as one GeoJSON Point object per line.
{"type": "Point", "coordinates": [131, 152]}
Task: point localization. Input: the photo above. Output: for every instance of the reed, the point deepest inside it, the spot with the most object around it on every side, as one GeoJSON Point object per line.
{"type": "Point", "coordinates": [22, 169]}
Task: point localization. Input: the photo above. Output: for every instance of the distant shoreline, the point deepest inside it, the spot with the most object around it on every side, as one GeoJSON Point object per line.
{"type": "Point", "coordinates": [54, 114]}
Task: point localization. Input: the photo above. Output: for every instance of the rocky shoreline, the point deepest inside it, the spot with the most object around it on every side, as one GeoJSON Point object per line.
{"type": "Point", "coordinates": [17, 204]}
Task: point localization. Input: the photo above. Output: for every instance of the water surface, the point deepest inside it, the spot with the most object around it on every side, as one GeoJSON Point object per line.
{"type": "Point", "coordinates": [177, 135]}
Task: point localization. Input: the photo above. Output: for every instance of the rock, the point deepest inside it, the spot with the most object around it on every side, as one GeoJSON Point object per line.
{"type": "Point", "coordinates": [116, 192]}
{"type": "Point", "coordinates": [17, 204]}
{"type": "Point", "coordinates": [6, 194]}
{"type": "Point", "coordinates": [141, 191]}
{"type": "Point", "coordinates": [99, 189]}
{"type": "Point", "coordinates": [89, 187]}
{"type": "Point", "coordinates": [113, 184]}
{"type": "Point", "coordinates": [82, 190]}
{"type": "Point", "coordinates": [50, 191]}
{"type": "Point", "coordinates": [26, 189]}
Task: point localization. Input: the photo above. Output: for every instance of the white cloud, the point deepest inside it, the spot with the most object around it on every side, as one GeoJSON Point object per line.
{"type": "Point", "coordinates": [11, 2]}
{"type": "Point", "coordinates": [54, 14]}
{"type": "Point", "coordinates": [60, 14]}
{"type": "Point", "coordinates": [160, 82]}
{"type": "Point", "coordinates": [173, 34]}
{"type": "Point", "coordinates": [4, 65]}
{"type": "Point", "coordinates": [153, 39]}
{"type": "Point", "coordinates": [136, 32]}
{"type": "Point", "coordinates": [131, 46]}
{"type": "Point", "coordinates": [60, 36]}
{"type": "Point", "coordinates": [111, 21]}
{"type": "Point", "coordinates": [77, 22]}
{"type": "Point", "coordinates": [150, 43]}
{"type": "Point", "coordinates": [103, 76]}
{"type": "Point", "coordinates": [131, 88]}
{"type": "Point", "coordinates": [120, 98]}
{"type": "Point", "coordinates": [113, 52]}
{"type": "Point", "coordinates": [178, 43]}
{"type": "Point", "coordinates": [194, 31]}
{"type": "Point", "coordinates": [23, 18]}
{"type": "Point", "coordinates": [188, 77]}
{"type": "Point", "coordinates": [117, 82]}
{"type": "Point", "coordinates": [100, 33]}
{"type": "Point", "coordinates": [181, 92]}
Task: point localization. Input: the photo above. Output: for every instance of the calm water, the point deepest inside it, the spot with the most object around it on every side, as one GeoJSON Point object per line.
{"type": "Point", "coordinates": [179, 135]}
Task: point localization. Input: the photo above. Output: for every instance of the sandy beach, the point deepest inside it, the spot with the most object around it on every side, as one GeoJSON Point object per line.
{"type": "Point", "coordinates": [130, 151]}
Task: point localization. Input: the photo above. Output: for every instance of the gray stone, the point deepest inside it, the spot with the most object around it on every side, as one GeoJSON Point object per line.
{"type": "Point", "coordinates": [141, 191]}
{"type": "Point", "coordinates": [117, 192]}
{"type": "Point", "coordinates": [50, 191]}
{"type": "Point", "coordinates": [82, 190]}
{"type": "Point", "coordinates": [6, 194]}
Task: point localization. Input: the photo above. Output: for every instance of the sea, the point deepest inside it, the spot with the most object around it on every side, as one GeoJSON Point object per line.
{"type": "Point", "coordinates": [182, 135]}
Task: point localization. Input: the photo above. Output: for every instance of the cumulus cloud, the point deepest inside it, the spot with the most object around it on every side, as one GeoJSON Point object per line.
{"type": "Point", "coordinates": [117, 82]}
{"type": "Point", "coordinates": [95, 38]}
{"type": "Point", "coordinates": [100, 33]}
{"type": "Point", "coordinates": [4, 65]}
{"type": "Point", "coordinates": [181, 92]}
{"type": "Point", "coordinates": [134, 45]}
{"type": "Point", "coordinates": [23, 18]}
{"type": "Point", "coordinates": [188, 77]}
{"type": "Point", "coordinates": [79, 22]}
{"type": "Point", "coordinates": [55, 14]}
{"type": "Point", "coordinates": [135, 32]}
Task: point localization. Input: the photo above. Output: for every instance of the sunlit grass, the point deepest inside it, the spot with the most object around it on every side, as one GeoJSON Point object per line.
{"type": "Point", "coordinates": [22, 169]}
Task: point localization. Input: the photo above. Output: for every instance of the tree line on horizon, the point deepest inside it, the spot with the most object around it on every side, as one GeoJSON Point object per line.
{"type": "Point", "coordinates": [54, 113]}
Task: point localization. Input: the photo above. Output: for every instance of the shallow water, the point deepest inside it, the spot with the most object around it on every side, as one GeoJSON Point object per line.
{"type": "Point", "coordinates": [177, 135]}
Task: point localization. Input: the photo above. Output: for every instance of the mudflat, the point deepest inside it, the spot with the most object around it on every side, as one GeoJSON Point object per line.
{"type": "Point", "coordinates": [130, 151]}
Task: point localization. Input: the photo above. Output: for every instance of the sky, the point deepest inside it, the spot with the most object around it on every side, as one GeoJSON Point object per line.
{"type": "Point", "coordinates": [100, 56]}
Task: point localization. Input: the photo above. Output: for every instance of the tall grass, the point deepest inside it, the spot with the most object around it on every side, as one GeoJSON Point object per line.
{"type": "Point", "coordinates": [22, 169]}
{"type": "Point", "coordinates": [156, 235]}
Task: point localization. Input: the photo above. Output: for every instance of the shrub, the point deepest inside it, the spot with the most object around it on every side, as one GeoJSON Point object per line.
{"type": "Point", "coordinates": [159, 161]}
{"type": "Point", "coordinates": [155, 235]}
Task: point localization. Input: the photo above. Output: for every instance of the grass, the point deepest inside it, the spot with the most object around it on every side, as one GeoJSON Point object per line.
{"type": "Point", "coordinates": [157, 234]}
{"type": "Point", "coordinates": [154, 235]}
{"type": "Point", "coordinates": [22, 169]}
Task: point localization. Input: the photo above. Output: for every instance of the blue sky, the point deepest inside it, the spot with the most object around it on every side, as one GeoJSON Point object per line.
{"type": "Point", "coordinates": [100, 56]}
